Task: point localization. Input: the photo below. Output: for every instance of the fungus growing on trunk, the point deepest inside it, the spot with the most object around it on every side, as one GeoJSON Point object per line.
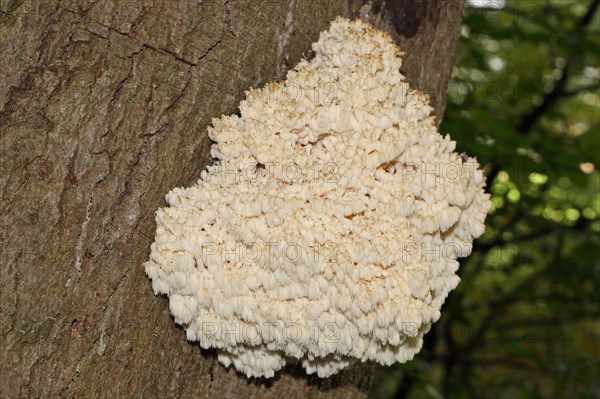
{"type": "Point", "coordinates": [328, 230]}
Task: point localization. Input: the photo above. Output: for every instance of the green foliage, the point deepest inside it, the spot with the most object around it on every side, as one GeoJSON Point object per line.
{"type": "Point", "coordinates": [525, 320]}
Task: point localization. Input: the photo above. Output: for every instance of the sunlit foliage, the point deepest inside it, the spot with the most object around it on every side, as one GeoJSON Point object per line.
{"type": "Point", "coordinates": [525, 321]}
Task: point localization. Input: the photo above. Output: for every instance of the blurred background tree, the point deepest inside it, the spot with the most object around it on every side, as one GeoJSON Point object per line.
{"type": "Point", "coordinates": [525, 320]}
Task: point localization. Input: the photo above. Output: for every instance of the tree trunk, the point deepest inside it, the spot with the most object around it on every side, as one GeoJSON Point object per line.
{"type": "Point", "coordinates": [103, 109]}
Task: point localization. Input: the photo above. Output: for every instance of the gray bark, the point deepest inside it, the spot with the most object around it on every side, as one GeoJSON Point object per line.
{"type": "Point", "coordinates": [103, 109]}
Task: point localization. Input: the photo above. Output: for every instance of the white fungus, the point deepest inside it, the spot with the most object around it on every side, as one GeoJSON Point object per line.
{"type": "Point", "coordinates": [328, 230]}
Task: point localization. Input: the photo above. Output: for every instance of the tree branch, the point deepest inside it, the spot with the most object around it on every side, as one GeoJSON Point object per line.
{"type": "Point", "coordinates": [531, 118]}
{"type": "Point", "coordinates": [587, 17]}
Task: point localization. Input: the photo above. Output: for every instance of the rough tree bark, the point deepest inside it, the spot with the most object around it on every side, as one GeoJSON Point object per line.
{"type": "Point", "coordinates": [103, 109]}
